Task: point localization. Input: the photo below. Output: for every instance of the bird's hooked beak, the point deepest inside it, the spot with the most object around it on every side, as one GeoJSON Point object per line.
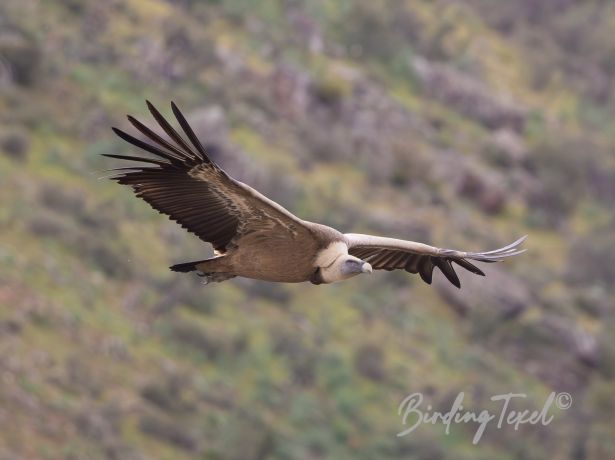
{"type": "Point", "coordinates": [366, 268]}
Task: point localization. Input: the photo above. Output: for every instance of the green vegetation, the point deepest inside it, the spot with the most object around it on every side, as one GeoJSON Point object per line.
{"type": "Point", "coordinates": [460, 123]}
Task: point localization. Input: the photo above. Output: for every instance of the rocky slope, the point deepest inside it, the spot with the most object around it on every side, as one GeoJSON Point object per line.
{"type": "Point", "coordinates": [462, 124]}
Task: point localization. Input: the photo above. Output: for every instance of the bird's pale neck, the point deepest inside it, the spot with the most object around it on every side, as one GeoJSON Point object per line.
{"type": "Point", "coordinates": [337, 265]}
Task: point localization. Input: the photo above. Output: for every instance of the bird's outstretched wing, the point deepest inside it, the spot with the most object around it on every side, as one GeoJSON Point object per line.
{"type": "Point", "coordinates": [184, 183]}
{"type": "Point", "coordinates": [390, 254]}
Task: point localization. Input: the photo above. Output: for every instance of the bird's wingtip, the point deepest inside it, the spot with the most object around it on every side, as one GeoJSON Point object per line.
{"type": "Point", "coordinates": [150, 106]}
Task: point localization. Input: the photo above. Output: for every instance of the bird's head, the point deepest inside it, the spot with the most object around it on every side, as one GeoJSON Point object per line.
{"type": "Point", "coordinates": [352, 266]}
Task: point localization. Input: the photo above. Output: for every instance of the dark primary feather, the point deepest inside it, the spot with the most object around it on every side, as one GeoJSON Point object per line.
{"type": "Point", "coordinates": [164, 124]}
{"type": "Point", "coordinates": [188, 130]}
{"type": "Point", "coordinates": [199, 205]}
{"type": "Point", "coordinates": [424, 264]}
{"type": "Point", "coordinates": [184, 183]}
{"type": "Point", "coordinates": [177, 154]}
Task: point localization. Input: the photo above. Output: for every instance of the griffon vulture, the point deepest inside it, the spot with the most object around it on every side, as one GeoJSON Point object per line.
{"type": "Point", "coordinates": [255, 237]}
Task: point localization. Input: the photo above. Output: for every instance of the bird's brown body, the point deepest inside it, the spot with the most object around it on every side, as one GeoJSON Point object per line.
{"type": "Point", "coordinates": [281, 257]}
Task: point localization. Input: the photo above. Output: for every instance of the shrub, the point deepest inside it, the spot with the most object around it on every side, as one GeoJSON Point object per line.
{"type": "Point", "coordinates": [22, 56]}
{"type": "Point", "coordinates": [369, 362]}
{"type": "Point", "coordinates": [331, 90]}
{"type": "Point", "coordinates": [378, 28]}
{"type": "Point", "coordinates": [47, 224]}
{"type": "Point", "coordinates": [561, 174]}
{"type": "Point", "coordinates": [302, 360]}
{"type": "Point", "coordinates": [112, 260]}
{"type": "Point", "coordinates": [169, 394]}
{"type": "Point", "coordinates": [57, 198]}
{"type": "Point", "coordinates": [490, 197]}
{"type": "Point", "coordinates": [592, 258]}
{"type": "Point", "coordinates": [469, 96]}
{"type": "Point", "coordinates": [195, 336]}
{"type": "Point", "coordinates": [183, 290]}
{"type": "Point", "coordinates": [168, 431]}
{"type": "Point", "coordinates": [271, 291]}
{"type": "Point", "coordinates": [15, 145]}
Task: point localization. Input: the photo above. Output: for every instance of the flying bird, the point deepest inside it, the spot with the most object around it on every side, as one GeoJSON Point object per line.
{"type": "Point", "coordinates": [255, 237]}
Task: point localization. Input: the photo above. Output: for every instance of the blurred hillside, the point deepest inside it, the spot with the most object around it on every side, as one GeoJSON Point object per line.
{"type": "Point", "coordinates": [463, 124]}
